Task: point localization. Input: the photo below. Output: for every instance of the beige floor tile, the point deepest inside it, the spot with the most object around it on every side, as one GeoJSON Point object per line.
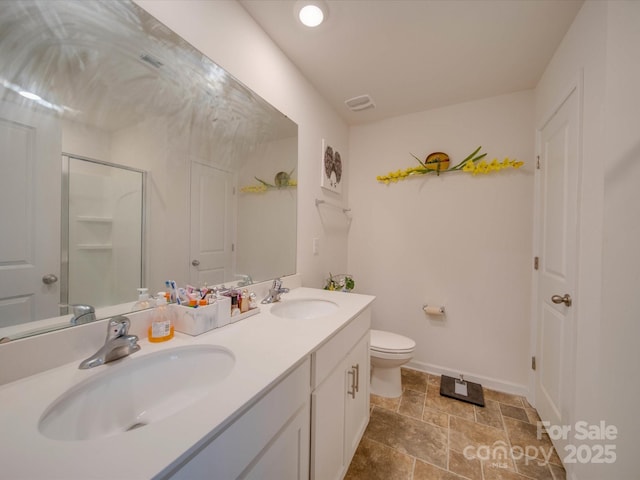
{"type": "Point", "coordinates": [466, 467]}
{"type": "Point", "coordinates": [425, 471]}
{"type": "Point", "coordinates": [532, 415]}
{"type": "Point", "coordinates": [533, 468]}
{"type": "Point", "coordinates": [412, 404]}
{"type": "Point", "coordinates": [514, 412]}
{"type": "Point", "coordinates": [494, 471]}
{"type": "Point", "coordinates": [436, 417]}
{"type": "Point", "coordinates": [407, 435]}
{"type": "Point", "coordinates": [448, 405]}
{"type": "Point", "coordinates": [507, 398]}
{"type": "Point", "coordinates": [433, 381]}
{"type": "Point", "coordinates": [524, 438]}
{"type": "Point", "coordinates": [489, 414]}
{"type": "Point", "coordinates": [373, 461]}
{"type": "Point", "coordinates": [470, 437]}
{"type": "Point", "coordinates": [384, 402]}
{"type": "Point", "coordinates": [414, 380]}
{"type": "Point", "coordinates": [559, 472]}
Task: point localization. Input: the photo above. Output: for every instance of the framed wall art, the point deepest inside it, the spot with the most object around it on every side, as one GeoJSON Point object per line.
{"type": "Point", "coordinates": [332, 168]}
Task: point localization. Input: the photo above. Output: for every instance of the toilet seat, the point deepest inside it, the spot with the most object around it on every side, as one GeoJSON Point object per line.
{"type": "Point", "coordinates": [390, 343]}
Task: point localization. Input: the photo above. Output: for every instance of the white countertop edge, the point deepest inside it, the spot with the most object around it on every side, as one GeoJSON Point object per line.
{"type": "Point", "coordinates": [266, 347]}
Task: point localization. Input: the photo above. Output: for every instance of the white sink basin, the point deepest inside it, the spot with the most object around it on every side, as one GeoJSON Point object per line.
{"type": "Point", "coordinates": [304, 308]}
{"type": "Point", "coordinates": [136, 392]}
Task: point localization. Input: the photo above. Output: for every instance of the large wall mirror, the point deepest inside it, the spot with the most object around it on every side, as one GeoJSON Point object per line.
{"type": "Point", "coordinates": [129, 159]}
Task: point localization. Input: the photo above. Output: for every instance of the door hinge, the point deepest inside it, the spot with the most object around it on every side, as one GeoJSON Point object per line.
{"type": "Point", "coordinates": [538, 162]}
{"type": "Point", "coordinates": [533, 363]}
{"type": "Point", "coordinates": [233, 247]}
{"type": "Point", "coordinates": [536, 263]}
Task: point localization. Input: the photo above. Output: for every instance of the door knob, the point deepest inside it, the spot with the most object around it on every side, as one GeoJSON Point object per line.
{"type": "Point", "coordinates": [558, 299]}
{"type": "Point", "coordinates": [49, 279]}
{"type": "Point", "coordinates": [195, 263]}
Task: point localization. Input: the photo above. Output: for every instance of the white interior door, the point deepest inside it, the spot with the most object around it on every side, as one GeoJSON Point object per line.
{"type": "Point", "coordinates": [30, 182]}
{"type": "Point", "coordinates": [557, 226]}
{"type": "Point", "coordinates": [212, 225]}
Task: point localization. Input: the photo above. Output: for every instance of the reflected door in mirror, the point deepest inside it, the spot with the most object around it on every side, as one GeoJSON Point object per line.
{"type": "Point", "coordinates": [29, 215]}
{"type": "Point", "coordinates": [212, 227]}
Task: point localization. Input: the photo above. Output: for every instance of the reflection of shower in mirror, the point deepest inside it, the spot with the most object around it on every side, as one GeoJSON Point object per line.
{"type": "Point", "coordinates": [102, 218]}
{"type": "Point", "coordinates": [105, 80]}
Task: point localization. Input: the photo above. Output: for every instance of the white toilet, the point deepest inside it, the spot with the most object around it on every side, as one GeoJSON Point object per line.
{"type": "Point", "coordinates": [388, 351]}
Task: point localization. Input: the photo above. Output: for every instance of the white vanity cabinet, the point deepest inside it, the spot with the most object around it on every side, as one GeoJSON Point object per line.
{"type": "Point", "coordinates": [339, 398]}
{"type": "Point", "coordinates": [269, 441]}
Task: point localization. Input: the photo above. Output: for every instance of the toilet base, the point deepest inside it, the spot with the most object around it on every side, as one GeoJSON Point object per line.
{"type": "Point", "coordinates": [386, 382]}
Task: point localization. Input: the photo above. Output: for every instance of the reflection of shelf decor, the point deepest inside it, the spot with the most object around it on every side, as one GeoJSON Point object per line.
{"type": "Point", "coordinates": [343, 282]}
{"type": "Point", "coordinates": [280, 181]}
{"type": "Point", "coordinates": [438, 162]}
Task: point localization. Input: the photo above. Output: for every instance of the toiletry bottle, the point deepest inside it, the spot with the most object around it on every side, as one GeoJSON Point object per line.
{"type": "Point", "coordinates": [235, 310]}
{"type": "Point", "coordinates": [244, 301]}
{"type": "Point", "coordinates": [143, 300]}
{"type": "Point", "coordinates": [161, 328]}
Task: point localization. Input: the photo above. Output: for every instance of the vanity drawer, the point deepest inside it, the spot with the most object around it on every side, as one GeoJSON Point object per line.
{"type": "Point", "coordinates": [272, 437]}
{"type": "Point", "coordinates": [329, 355]}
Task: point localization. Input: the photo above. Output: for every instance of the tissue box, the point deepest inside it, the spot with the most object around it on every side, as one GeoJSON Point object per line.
{"type": "Point", "coordinates": [195, 321]}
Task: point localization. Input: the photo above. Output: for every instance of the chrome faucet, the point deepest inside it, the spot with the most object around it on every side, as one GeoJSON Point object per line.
{"type": "Point", "coordinates": [82, 314]}
{"type": "Point", "coordinates": [275, 291]}
{"type": "Point", "coordinates": [118, 344]}
{"type": "Point", "coordinates": [245, 280]}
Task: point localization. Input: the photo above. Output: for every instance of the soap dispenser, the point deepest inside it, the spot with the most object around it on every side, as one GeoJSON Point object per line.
{"type": "Point", "coordinates": [161, 328]}
{"type": "Point", "coordinates": [143, 300]}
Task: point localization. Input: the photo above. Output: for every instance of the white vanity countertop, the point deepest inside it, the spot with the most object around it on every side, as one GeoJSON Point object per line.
{"type": "Point", "coordinates": [266, 347]}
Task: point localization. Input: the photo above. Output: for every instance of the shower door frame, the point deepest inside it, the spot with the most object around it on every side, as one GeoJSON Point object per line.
{"type": "Point", "coordinates": [64, 224]}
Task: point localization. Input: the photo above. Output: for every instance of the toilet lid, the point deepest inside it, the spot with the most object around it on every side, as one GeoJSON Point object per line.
{"type": "Point", "coordinates": [388, 342]}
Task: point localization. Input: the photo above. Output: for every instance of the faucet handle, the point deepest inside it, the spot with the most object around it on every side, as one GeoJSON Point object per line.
{"type": "Point", "coordinates": [277, 283]}
{"type": "Point", "coordinates": [117, 327]}
{"type": "Point", "coordinates": [82, 314]}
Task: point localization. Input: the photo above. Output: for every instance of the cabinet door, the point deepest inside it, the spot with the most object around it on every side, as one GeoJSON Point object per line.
{"type": "Point", "coordinates": [357, 397]}
{"type": "Point", "coordinates": [327, 425]}
{"type": "Point", "coordinates": [287, 456]}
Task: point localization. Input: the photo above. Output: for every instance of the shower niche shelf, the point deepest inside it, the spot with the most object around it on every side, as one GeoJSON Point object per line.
{"type": "Point", "coordinates": [92, 219]}
{"type": "Point", "coordinates": [106, 246]}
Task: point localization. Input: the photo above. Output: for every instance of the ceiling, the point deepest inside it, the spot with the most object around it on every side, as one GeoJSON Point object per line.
{"type": "Point", "coordinates": [415, 55]}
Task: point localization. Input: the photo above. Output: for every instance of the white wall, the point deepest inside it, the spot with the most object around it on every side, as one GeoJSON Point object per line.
{"type": "Point", "coordinates": [226, 33]}
{"type": "Point", "coordinates": [620, 326]}
{"type": "Point", "coordinates": [602, 46]}
{"type": "Point", "coordinates": [455, 240]}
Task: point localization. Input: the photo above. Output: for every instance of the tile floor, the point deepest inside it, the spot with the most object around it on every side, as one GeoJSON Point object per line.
{"type": "Point", "coordinates": [424, 436]}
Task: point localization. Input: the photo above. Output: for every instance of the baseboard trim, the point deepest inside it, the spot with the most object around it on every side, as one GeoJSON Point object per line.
{"type": "Point", "coordinates": [488, 382]}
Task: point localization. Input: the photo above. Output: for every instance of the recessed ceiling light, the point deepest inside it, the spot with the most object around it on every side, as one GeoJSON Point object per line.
{"type": "Point", "coordinates": [311, 13]}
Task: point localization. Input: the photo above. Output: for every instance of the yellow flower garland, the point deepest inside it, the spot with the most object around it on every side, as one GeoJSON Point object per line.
{"type": "Point", "coordinates": [474, 164]}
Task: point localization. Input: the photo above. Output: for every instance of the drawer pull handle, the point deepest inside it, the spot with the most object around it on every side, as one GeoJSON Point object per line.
{"type": "Point", "coordinates": [357, 369]}
{"type": "Point", "coordinates": [352, 392]}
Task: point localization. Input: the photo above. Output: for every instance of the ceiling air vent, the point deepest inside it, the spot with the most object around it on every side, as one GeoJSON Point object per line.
{"type": "Point", "coordinates": [357, 104]}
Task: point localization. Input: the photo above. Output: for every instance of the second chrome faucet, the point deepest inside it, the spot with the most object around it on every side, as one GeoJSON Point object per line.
{"type": "Point", "coordinates": [275, 291]}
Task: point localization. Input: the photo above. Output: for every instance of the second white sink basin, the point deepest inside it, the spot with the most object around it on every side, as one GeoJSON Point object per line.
{"type": "Point", "coordinates": [136, 392]}
{"type": "Point", "coordinates": [304, 308]}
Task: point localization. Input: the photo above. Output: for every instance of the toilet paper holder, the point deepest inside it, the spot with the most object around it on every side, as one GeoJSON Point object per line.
{"type": "Point", "coordinates": [433, 309]}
